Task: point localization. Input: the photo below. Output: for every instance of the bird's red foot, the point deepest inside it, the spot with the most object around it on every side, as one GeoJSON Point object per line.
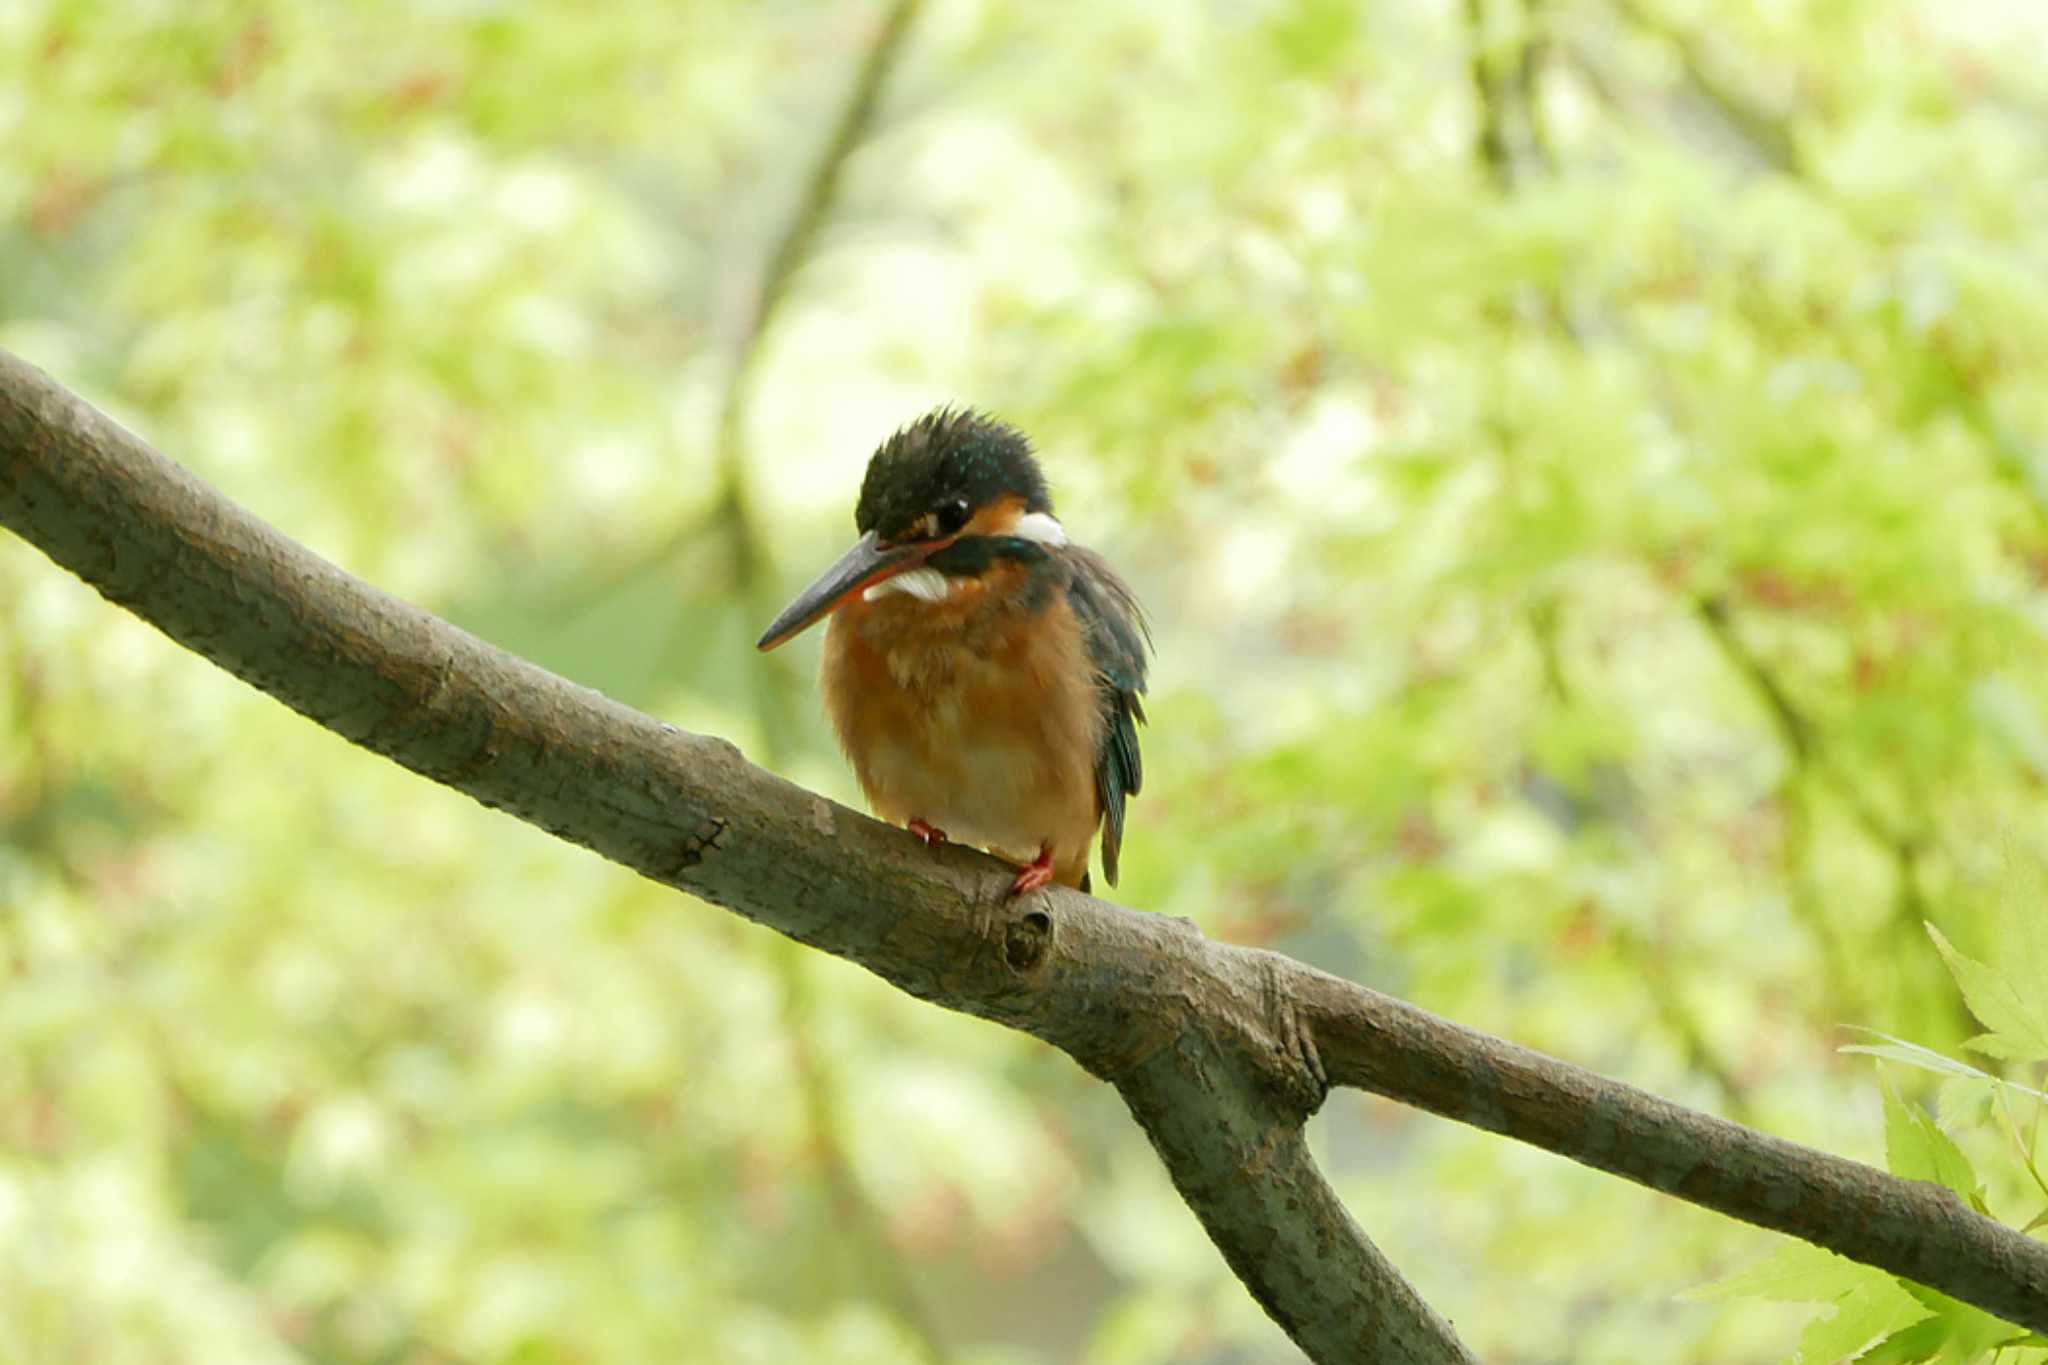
{"type": "Point", "coordinates": [931, 836]}
{"type": "Point", "coordinates": [1034, 875]}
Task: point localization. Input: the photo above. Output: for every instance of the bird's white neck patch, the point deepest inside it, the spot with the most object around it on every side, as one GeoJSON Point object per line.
{"type": "Point", "coordinates": [1041, 527]}
{"type": "Point", "coordinates": [927, 585]}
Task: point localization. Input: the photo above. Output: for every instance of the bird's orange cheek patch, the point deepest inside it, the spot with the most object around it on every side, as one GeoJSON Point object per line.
{"type": "Point", "coordinates": [996, 519]}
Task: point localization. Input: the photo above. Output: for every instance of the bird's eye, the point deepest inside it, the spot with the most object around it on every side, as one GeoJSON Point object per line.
{"type": "Point", "coordinates": [951, 516]}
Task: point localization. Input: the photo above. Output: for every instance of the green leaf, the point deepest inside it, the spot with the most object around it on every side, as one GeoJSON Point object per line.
{"type": "Point", "coordinates": [1870, 1314]}
{"type": "Point", "coordinates": [1927, 1059]}
{"type": "Point", "coordinates": [2016, 1016]}
{"type": "Point", "coordinates": [1912, 1054]}
{"type": "Point", "coordinates": [1797, 1272]}
{"type": "Point", "coordinates": [1866, 1305]}
{"type": "Point", "coordinates": [1917, 1149]}
{"type": "Point", "coordinates": [1952, 1332]}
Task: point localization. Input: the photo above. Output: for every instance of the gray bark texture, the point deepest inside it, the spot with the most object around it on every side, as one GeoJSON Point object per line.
{"type": "Point", "coordinates": [1220, 1052]}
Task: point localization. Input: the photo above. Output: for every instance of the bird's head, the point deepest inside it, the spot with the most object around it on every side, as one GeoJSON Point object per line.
{"type": "Point", "coordinates": [950, 482]}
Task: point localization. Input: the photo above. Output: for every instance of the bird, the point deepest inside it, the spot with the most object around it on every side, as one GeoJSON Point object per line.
{"type": "Point", "coordinates": [983, 672]}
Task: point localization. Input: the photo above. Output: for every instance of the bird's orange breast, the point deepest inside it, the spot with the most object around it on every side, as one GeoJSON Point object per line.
{"type": "Point", "coordinates": [978, 714]}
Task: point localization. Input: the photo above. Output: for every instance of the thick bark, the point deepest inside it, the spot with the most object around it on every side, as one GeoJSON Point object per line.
{"type": "Point", "coordinates": [1221, 1052]}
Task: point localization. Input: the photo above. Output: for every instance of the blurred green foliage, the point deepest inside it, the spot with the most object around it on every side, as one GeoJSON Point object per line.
{"type": "Point", "coordinates": [1585, 458]}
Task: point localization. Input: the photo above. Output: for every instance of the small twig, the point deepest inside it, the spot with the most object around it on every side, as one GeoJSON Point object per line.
{"type": "Point", "coordinates": [1802, 740]}
{"type": "Point", "coordinates": [1490, 95]}
{"type": "Point", "coordinates": [1801, 736]}
{"type": "Point", "coordinates": [1529, 63]}
{"type": "Point", "coordinates": [1768, 137]}
{"type": "Point", "coordinates": [1903, 844]}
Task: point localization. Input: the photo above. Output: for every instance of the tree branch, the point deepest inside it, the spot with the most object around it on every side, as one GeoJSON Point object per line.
{"type": "Point", "coordinates": [1909, 1227]}
{"type": "Point", "coordinates": [1140, 1000]}
{"type": "Point", "coordinates": [1221, 1052]}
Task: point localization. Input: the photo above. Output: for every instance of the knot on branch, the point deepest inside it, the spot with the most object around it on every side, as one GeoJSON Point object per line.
{"type": "Point", "coordinates": [1026, 938]}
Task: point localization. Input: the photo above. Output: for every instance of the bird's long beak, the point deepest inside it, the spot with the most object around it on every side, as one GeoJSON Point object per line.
{"type": "Point", "coordinates": [869, 562]}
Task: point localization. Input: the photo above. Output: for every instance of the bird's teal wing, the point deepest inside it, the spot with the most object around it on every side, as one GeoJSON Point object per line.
{"type": "Point", "coordinates": [1118, 643]}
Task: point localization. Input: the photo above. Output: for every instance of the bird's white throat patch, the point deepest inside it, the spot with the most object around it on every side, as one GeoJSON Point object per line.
{"type": "Point", "coordinates": [928, 585]}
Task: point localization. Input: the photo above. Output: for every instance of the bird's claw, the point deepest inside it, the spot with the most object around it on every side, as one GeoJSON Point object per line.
{"type": "Point", "coordinates": [931, 836]}
{"type": "Point", "coordinates": [1034, 875]}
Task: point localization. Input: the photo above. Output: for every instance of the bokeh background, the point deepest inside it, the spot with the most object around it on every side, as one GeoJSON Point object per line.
{"type": "Point", "coordinates": [1584, 457]}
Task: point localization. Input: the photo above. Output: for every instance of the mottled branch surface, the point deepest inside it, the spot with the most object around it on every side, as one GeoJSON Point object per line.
{"type": "Point", "coordinates": [1221, 1052]}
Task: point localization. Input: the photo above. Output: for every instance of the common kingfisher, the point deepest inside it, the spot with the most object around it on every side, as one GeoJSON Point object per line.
{"type": "Point", "coordinates": [983, 672]}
